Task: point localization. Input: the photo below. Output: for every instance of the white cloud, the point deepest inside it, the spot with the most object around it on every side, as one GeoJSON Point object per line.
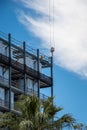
{"type": "Point", "coordinates": [70, 30]}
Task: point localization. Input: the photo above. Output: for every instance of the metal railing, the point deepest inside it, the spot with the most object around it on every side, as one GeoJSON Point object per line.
{"type": "Point", "coordinates": [13, 40]}
{"type": "Point", "coordinates": [31, 50]}
{"type": "Point", "coordinates": [16, 42]}
{"type": "Point", "coordinates": [45, 58]}
{"type": "Point", "coordinates": [14, 106]}
{"type": "Point", "coordinates": [4, 35]}
{"type": "Point", "coordinates": [14, 84]}
{"type": "Point", "coordinates": [29, 70]}
{"type": "Point", "coordinates": [4, 103]}
{"type": "Point", "coordinates": [19, 44]}
{"type": "Point", "coordinates": [4, 80]}
{"type": "Point", "coordinates": [29, 91]}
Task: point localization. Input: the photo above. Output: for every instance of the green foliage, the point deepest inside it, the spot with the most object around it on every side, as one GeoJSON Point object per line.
{"type": "Point", "coordinates": [78, 126]}
{"type": "Point", "coordinates": [35, 115]}
{"type": "Point", "coordinates": [64, 121]}
{"type": "Point", "coordinates": [9, 120]}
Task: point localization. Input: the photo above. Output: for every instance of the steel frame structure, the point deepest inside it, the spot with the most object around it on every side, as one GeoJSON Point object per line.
{"type": "Point", "coordinates": [17, 69]}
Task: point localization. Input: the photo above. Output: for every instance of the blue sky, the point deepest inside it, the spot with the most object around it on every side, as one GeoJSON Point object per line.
{"type": "Point", "coordinates": [29, 21]}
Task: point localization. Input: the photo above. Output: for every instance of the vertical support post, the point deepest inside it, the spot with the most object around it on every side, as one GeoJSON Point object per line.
{"type": "Point", "coordinates": [33, 86]}
{"type": "Point", "coordinates": [9, 41]}
{"type": "Point", "coordinates": [38, 66]}
{"type": "Point", "coordinates": [52, 83]}
{"type": "Point", "coordinates": [52, 50]}
{"type": "Point", "coordinates": [51, 76]}
{"type": "Point", "coordinates": [24, 47]}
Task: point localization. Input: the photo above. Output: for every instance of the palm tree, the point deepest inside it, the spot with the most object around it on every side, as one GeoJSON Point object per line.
{"type": "Point", "coordinates": [36, 115]}
{"type": "Point", "coordinates": [78, 126]}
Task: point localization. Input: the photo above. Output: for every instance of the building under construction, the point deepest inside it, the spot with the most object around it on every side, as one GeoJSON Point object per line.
{"type": "Point", "coordinates": [22, 71]}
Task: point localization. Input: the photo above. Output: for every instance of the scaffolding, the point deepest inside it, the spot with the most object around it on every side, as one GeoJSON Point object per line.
{"type": "Point", "coordinates": [18, 51]}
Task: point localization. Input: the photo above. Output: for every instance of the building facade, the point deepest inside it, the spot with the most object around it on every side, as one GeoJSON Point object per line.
{"type": "Point", "coordinates": [23, 70]}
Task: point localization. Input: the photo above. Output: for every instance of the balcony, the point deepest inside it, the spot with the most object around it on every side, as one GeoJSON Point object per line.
{"type": "Point", "coordinates": [14, 106]}
{"type": "Point", "coordinates": [4, 105]}
{"type": "Point", "coordinates": [4, 81]}
{"type": "Point", "coordinates": [29, 91]}
{"type": "Point", "coordinates": [29, 71]}
{"type": "Point", "coordinates": [15, 88]}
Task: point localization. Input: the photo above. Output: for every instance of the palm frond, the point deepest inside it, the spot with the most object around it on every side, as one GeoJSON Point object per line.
{"type": "Point", "coordinates": [25, 125]}
{"type": "Point", "coordinates": [65, 120]}
{"type": "Point", "coordinates": [35, 115]}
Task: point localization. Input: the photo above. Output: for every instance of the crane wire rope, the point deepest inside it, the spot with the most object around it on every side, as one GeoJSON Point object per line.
{"type": "Point", "coordinates": [51, 24]}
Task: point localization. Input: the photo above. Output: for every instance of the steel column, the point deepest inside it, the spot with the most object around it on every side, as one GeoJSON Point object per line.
{"type": "Point", "coordinates": [24, 47]}
{"type": "Point", "coordinates": [38, 70]}
{"type": "Point", "coordinates": [52, 83]}
{"type": "Point", "coordinates": [9, 42]}
{"type": "Point", "coordinates": [51, 76]}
